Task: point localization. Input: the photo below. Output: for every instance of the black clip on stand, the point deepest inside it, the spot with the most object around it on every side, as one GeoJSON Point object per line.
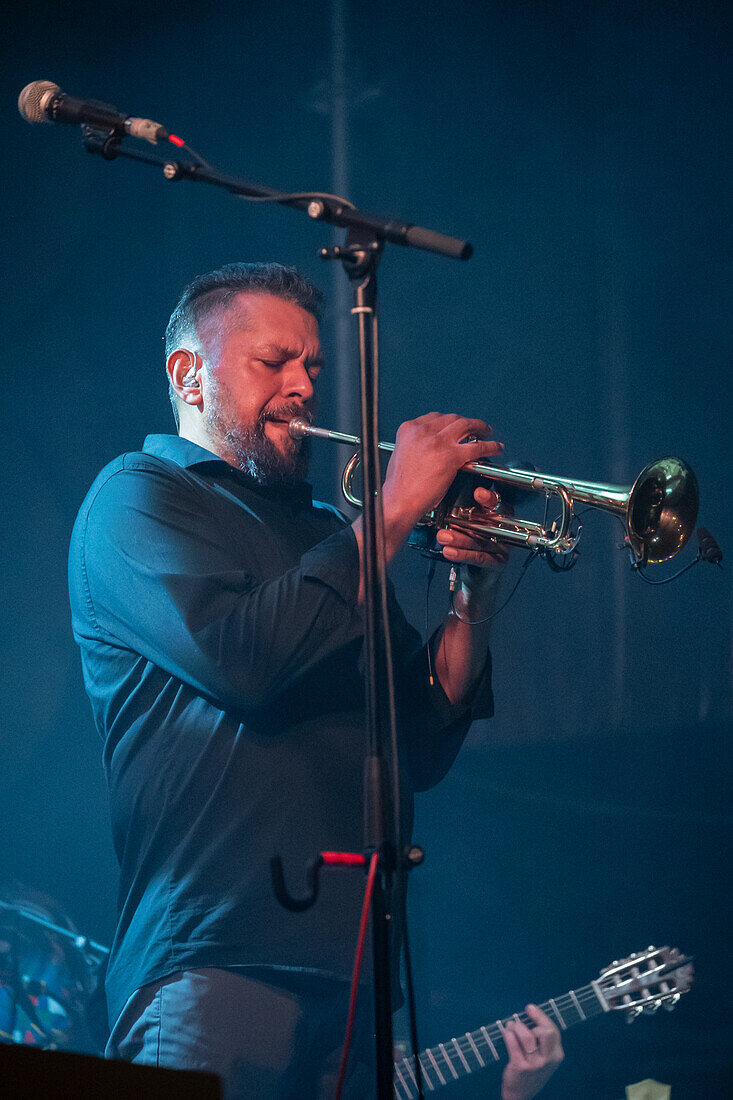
{"type": "Point", "coordinates": [360, 255]}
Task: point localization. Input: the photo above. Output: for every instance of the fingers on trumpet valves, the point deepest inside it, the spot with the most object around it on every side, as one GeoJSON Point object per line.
{"type": "Point", "coordinates": [482, 448]}
{"type": "Point", "coordinates": [461, 429]}
{"type": "Point", "coordinates": [471, 430]}
{"type": "Point", "coordinates": [492, 501]}
{"type": "Point", "coordinates": [460, 545]}
{"type": "Point", "coordinates": [487, 498]}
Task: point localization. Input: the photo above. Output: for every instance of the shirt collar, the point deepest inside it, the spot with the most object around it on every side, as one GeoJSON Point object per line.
{"type": "Point", "coordinates": [181, 451]}
{"type": "Point", "coordinates": [190, 455]}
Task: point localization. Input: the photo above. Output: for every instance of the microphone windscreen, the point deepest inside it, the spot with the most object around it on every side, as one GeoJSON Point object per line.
{"type": "Point", "coordinates": [709, 549]}
{"type": "Point", "coordinates": [30, 100]}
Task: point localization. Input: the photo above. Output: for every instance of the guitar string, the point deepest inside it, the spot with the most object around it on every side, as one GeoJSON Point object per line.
{"type": "Point", "coordinates": [565, 1004]}
{"type": "Point", "coordinates": [586, 998]}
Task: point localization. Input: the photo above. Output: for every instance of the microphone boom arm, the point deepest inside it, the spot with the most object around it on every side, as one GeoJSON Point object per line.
{"type": "Point", "coordinates": [319, 206]}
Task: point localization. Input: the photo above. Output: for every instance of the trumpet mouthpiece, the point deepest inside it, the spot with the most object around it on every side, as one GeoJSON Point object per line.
{"type": "Point", "coordinates": [298, 428]}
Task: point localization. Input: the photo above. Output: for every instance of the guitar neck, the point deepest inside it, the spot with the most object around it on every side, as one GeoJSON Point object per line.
{"type": "Point", "coordinates": [477, 1049]}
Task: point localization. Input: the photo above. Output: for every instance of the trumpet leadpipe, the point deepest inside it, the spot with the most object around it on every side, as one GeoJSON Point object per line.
{"type": "Point", "coordinates": [300, 428]}
{"type": "Point", "coordinates": [521, 479]}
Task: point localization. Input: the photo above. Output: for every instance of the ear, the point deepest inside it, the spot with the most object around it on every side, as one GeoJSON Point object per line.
{"type": "Point", "coordinates": [183, 367]}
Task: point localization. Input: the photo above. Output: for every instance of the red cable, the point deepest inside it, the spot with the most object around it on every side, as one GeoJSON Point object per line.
{"type": "Point", "coordinates": [357, 967]}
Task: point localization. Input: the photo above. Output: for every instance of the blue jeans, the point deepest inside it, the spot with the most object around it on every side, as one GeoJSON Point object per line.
{"type": "Point", "coordinates": [271, 1037]}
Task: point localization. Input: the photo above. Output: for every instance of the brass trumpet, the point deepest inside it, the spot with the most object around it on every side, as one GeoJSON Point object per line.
{"type": "Point", "coordinates": [658, 510]}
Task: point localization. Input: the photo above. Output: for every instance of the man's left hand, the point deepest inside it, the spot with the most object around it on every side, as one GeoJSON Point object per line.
{"type": "Point", "coordinates": [460, 656]}
{"type": "Point", "coordinates": [460, 547]}
{"type": "Point", "coordinates": [534, 1055]}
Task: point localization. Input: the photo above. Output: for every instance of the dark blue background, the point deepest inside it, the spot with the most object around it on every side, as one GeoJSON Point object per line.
{"type": "Point", "coordinates": [584, 148]}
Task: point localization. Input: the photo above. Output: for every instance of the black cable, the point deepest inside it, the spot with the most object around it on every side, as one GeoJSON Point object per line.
{"type": "Point", "coordinates": [479, 622]}
{"type": "Point", "coordinates": [291, 196]}
{"type": "Point", "coordinates": [277, 196]}
{"type": "Point", "coordinates": [564, 562]}
{"type": "Point", "coordinates": [639, 568]}
{"type": "Point", "coordinates": [431, 574]}
{"type": "Point", "coordinates": [196, 156]}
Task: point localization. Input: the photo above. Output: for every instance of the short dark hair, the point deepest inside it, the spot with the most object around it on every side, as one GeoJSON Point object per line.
{"type": "Point", "coordinates": [216, 290]}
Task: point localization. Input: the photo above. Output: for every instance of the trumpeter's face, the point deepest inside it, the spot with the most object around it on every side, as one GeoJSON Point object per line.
{"type": "Point", "coordinates": [263, 374]}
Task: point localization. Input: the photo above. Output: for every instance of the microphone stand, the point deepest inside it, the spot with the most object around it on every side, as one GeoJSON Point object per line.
{"type": "Point", "coordinates": [360, 255]}
{"type": "Point", "coordinates": [82, 943]}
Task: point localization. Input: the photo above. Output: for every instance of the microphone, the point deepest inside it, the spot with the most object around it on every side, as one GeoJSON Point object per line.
{"type": "Point", "coordinates": [709, 549]}
{"type": "Point", "coordinates": [43, 101]}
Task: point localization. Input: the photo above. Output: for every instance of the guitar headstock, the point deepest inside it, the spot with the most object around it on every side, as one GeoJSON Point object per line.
{"type": "Point", "coordinates": [645, 981]}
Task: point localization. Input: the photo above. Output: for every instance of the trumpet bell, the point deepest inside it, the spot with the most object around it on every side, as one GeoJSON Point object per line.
{"type": "Point", "coordinates": [662, 509]}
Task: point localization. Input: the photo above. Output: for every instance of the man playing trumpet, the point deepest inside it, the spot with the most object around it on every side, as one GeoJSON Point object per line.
{"type": "Point", "coordinates": [218, 611]}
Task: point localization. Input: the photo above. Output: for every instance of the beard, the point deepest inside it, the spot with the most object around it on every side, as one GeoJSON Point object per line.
{"type": "Point", "coordinates": [256, 454]}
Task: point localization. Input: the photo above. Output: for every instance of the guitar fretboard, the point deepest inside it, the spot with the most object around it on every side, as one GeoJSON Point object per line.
{"type": "Point", "coordinates": [476, 1049]}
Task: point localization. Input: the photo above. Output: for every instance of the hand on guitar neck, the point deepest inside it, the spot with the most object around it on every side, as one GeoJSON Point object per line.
{"type": "Point", "coordinates": [534, 1055]}
{"type": "Point", "coordinates": [638, 985]}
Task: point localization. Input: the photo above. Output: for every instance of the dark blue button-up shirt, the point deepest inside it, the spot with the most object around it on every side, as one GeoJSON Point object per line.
{"type": "Point", "coordinates": [221, 641]}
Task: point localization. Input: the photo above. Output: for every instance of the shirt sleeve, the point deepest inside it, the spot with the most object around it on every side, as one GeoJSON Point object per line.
{"type": "Point", "coordinates": [148, 573]}
{"type": "Point", "coordinates": [433, 728]}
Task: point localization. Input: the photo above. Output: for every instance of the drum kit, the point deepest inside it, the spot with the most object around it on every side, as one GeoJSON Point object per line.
{"type": "Point", "coordinates": [49, 977]}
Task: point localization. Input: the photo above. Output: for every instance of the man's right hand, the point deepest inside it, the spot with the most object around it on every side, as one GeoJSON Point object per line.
{"type": "Point", "coordinates": [426, 459]}
{"type": "Point", "coordinates": [427, 456]}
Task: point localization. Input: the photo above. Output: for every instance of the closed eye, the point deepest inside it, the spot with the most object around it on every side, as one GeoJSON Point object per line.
{"type": "Point", "coordinates": [313, 368]}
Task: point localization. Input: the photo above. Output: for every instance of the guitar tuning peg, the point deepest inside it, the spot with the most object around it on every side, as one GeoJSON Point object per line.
{"type": "Point", "coordinates": [651, 947]}
{"type": "Point", "coordinates": [650, 1007]}
{"type": "Point", "coordinates": [671, 1002]}
{"type": "Point", "coordinates": [632, 1013]}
